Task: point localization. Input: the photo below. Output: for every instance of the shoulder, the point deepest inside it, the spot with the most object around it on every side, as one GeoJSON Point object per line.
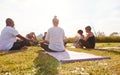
{"type": "Point", "coordinates": [50, 29]}
{"type": "Point", "coordinates": [8, 28]}
{"type": "Point", "coordinates": [91, 34]}
{"type": "Point", "coordinates": [61, 28]}
{"type": "Point", "coordinates": [83, 36]}
{"type": "Point", "coordinates": [11, 29]}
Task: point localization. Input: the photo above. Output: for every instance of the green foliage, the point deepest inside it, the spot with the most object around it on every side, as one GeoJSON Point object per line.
{"type": "Point", "coordinates": [108, 39]}
{"type": "Point", "coordinates": [114, 34]}
{"type": "Point", "coordinates": [98, 39]}
{"type": "Point", "coordinates": [71, 39]}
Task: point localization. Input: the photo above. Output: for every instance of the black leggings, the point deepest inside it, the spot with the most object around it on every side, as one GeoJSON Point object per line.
{"type": "Point", "coordinates": [85, 43]}
{"type": "Point", "coordinates": [19, 44]}
{"type": "Point", "coordinates": [46, 48]}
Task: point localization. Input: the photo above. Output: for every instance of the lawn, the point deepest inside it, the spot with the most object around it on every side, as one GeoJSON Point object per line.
{"type": "Point", "coordinates": [34, 61]}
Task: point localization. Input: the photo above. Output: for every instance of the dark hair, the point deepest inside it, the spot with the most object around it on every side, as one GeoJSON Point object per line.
{"type": "Point", "coordinates": [88, 27]}
{"type": "Point", "coordinates": [9, 22]}
{"type": "Point", "coordinates": [80, 31]}
{"type": "Point", "coordinates": [8, 19]}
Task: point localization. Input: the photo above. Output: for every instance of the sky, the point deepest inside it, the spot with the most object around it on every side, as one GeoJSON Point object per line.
{"type": "Point", "coordinates": [36, 15]}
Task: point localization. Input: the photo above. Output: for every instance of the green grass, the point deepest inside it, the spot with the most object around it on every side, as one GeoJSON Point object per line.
{"type": "Point", "coordinates": [34, 61]}
{"type": "Point", "coordinates": [27, 62]}
{"type": "Point", "coordinates": [101, 45]}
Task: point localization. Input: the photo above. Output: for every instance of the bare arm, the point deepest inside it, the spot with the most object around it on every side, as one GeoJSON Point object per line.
{"type": "Point", "coordinates": [34, 36]}
{"type": "Point", "coordinates": [21, 37]}
{"type": "Point", "coordinates": [88, 35]}
{"type": "Point", "coordinates": [45, 41]}
{"type": "Point", "coordinates": [64, 40]}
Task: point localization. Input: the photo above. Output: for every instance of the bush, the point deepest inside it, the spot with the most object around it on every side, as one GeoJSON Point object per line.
{"type": "Point", "coordinates": [98, 39]}
{"type": "Point", "coordinates": [71, 39]}
{"type": "Point", "coordinates": [108, 39]}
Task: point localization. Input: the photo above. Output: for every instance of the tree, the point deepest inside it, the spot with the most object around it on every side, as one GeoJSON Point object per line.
{"type": "Point", "coordinates": [99, 34]}
{"type": "Point", "coordinates": [114, 34]}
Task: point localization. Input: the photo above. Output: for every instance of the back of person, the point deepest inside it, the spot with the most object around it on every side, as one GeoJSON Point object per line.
{"type": "Point", "coordinates": [91, 41]}
{"type": "Point", "coordinates": [54, 40]}
{"type": "Point", "coordinates": [56, 36]}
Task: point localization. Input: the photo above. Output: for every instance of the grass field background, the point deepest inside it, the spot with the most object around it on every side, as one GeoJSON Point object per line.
{"type": "Point", "coordinates": [34, 61]}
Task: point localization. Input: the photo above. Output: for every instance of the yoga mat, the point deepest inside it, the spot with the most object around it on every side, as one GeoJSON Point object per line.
{"type": "Point", "coordinates": [71, 56]}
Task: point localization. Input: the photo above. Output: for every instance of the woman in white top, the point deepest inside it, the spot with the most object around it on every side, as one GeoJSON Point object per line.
{"type": "Point", "coordinates": [55, 38]}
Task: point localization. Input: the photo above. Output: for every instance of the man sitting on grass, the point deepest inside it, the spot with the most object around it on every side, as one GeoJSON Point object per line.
{"type": "Point", "coordinates": [54, 40]}
{"type": "Point", "coordinates": [8, 39]}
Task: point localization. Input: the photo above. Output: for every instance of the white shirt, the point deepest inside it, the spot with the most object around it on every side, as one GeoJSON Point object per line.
{"type": "Point", "coordinates": [81, 37]}
{"type": "Point", "coordinates": [55, 36]}
{"type": "Point", "coordinates": [7, 38]}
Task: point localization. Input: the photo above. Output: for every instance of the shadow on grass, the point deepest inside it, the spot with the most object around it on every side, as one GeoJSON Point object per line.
{"type": "Point", "coordinates": [45, 64]}
{"type": "Point", "coordinates": [108, 50]}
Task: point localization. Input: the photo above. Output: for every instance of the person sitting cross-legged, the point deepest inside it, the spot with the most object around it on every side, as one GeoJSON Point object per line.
{"type": "Point", "coordinates": [81, 37]}
{"type": "Point", "coordinates": [8, 39]}
{"type": "Point", "coordinates": [31, 36]}
{"type": "Point", "coordinates": [89, 40]}
{"type": "Point", "coordinates": [54, 40]}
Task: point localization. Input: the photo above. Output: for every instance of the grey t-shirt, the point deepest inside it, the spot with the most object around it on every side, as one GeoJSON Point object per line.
{"type": "Point", "coordinates": [55, 36]}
